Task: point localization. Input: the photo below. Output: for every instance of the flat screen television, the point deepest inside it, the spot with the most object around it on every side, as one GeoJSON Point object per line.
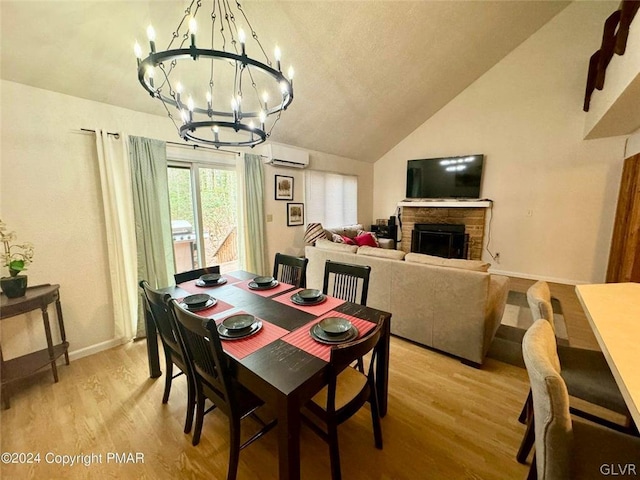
{"type": "Point", "coordinates": [447, 177]}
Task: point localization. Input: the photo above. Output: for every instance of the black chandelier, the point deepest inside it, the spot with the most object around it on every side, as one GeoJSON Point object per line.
{"type": "Point", "coordinates": [222, 96]}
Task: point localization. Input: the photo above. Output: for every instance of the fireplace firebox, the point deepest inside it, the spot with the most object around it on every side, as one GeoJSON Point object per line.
{"type": "Point", "coordinates": [442, 240]}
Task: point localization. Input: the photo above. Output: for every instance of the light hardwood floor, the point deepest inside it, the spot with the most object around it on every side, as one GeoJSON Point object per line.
{"type": "Point", "coordinates": [445, 421]}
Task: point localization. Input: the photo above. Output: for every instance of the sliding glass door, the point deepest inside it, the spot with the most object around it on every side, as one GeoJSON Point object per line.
{"type": "Point", "coordinates": [203, 215]}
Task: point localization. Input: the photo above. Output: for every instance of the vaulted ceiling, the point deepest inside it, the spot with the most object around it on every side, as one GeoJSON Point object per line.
{"type": "Point", "coordinates": [367, 73]}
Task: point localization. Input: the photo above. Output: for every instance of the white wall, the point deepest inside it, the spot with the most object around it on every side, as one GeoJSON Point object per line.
{"type": "Point", "coordinates": [525, 115]}
{"type": "Point", "coordinates": [50, 195]}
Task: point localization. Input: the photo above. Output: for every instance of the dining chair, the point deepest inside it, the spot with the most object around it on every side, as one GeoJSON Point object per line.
{"type": "Point", "coordinates": [347, 279]}
{"type": "Point", "coordinates": [291, 270]}
{"type": "Point", "coordinates": [567, 447]}
{"type": "Point", "coordinates": [209, 367]}
{"type": "Point", "coordinates": [585, 372]}
{"type": "Point", "coordinates": [193, 274]}
{"type": "Point", "coordinates": [348, 389]}
{"type": "Point", "coordinates": [156, 302]}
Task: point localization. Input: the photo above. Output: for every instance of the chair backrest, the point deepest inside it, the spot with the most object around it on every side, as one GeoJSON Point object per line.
{"type": "Point", "coordinates": [289, 269]}
{"type": "Point", "coordinates": [342, 356]}
{"type": "Point", "coordinates": [157, 303]}
{"type": "Point", "coordinates": [206, 360]}
{"type": "Point", "coordinates": [193, 274]}
{"type": "Point", "coordinates": [553, 429]}
{"type": "Point", "coordinates": [539, 299]}
{"type": "Point", "coordinates": [346, 280]}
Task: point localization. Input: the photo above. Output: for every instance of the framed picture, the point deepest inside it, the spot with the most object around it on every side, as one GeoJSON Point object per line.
{"type": "Point", "coordinates": [284, 188]}
{"type": "Point", "coordinates": [295, 214]}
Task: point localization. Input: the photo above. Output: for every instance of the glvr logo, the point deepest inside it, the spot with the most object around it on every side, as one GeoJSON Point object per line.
{"type": "Point", "coordinates": [618, 469]}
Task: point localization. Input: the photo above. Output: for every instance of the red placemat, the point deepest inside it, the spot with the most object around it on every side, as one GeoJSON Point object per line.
{"type": "Point", "coordinates": [191, 286]}
{"type": "Point", "coordinates": [219, 307]}
{"type": "Point", "coordinates": [329, 304]}
{"type": "Point", "coordinates": [302, 339]}
{"type": "Point", "coordinates": [246, 346]}
{"type": "Point", "coordinates": [282, 287]}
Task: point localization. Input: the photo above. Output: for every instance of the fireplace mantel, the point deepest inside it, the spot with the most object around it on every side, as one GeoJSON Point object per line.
{"type": "Point", "coordinates": [447, 204]}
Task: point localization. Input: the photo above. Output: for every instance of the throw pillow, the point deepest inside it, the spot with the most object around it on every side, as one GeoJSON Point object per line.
{"type": "Point", "coordinates": [314, 233]}
{"type": "Point", "coordinates": [366, 239]}
{"type": "Point", "coordinates": [347, 240]}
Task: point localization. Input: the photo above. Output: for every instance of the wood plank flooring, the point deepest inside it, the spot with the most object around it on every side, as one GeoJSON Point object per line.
{"type": "Point", "coordinates": [445, 421]}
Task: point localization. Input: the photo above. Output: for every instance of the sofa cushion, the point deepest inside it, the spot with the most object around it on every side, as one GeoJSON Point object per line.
{"type": "Point", "coordinates": [347, 240]}
{"type": "Point", "coordinates": [475, 265]}
{"type": "Point", "coordinates": [381, 252]}
{"type": "Point", "coordinates": [366, 239]}
{"type": "Point", "coordinates": [337, 247]}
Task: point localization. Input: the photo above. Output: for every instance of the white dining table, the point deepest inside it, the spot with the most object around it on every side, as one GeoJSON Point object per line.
{"type": "Point", "coordinates": [613, 310]}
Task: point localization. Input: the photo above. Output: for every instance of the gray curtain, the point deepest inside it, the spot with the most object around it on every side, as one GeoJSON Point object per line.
{"type": "Point", "coordinates": [253, 237]}
{"type": "Point", "coordinates": [148, 160]}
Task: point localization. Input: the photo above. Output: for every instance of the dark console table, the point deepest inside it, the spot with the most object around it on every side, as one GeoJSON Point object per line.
{"type": "Point", "coordinates": [386, 231]}
{"type": "Point", "coordinates": [38, 297]}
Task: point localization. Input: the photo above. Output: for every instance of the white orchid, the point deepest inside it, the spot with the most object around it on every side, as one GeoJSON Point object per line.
{"type": "Point", "coordinates": [15, 260]}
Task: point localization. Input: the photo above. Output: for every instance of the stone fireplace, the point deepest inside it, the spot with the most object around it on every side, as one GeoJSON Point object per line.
{"type": "Point", "coordinates": [470, 214]}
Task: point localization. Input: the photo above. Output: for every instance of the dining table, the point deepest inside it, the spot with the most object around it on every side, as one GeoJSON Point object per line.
{"type": "Point", "coordinates": [613, 310]}
{"type": "Point", "coordinates": [282, 364]}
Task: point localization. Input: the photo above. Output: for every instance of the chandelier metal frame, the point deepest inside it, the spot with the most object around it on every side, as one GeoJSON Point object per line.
{"type": "Point", "coordinates": [211, 125]}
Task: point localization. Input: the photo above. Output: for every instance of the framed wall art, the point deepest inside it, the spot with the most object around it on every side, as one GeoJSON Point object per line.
{"type": "Point", "coordinates": [284, 188]}
{"type": "Point", "coordinates": [295, 214]}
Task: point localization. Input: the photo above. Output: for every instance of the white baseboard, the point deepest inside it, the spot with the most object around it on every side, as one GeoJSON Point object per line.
{"type": "Point", "coordinates": [528, 276]}
{"type": "Point", "coordinates": [92, 349]}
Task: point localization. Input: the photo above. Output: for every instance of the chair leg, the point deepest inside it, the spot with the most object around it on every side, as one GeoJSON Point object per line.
{"type": "Point", "coordinates": [334, 451]}
{"type": "Point", "coordinates": [527, 441]}
{"type": "Point", "coordinates": [168, 378]}
{"type": "Point", "coordinates": [533, 470]}
{"type": "Point", "coordinates": [525, 409]}
{"type": "Point", "coordinates": [199, 418]}
{"type": "Point", "coordinates": [191, 400]}
{"type": "Point", "coordinates": [234, 449]}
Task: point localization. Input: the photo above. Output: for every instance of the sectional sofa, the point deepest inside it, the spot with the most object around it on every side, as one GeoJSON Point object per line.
{"type": "Point", "coordinates": [451, 305]}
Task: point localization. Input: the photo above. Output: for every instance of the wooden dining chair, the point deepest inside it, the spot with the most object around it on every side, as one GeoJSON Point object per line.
{"type": "Point", "coordinates": [348, 389]}
{"type": "Point", "coordinates": [567, 447]}
{"type": "Point", "coordinates": [585, 372]}
{"type": "Point", "coordinates": [173, 352]}
{"type": "Point", "coordinates": [347, 280]}
{"type": "Point", "coordinates": [194, 274]}
{"type": "Point", "coordinates": [210, 369]}
{"type": "Point", "coordinates": [291, 270]}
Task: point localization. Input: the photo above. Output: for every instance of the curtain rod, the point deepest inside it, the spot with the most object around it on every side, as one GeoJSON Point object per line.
{"type": "Point", "coordinates": [115, 134]}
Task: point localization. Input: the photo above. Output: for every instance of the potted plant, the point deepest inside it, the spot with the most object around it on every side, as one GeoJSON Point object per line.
{"type": "Point", "coordinates": [16, 257]}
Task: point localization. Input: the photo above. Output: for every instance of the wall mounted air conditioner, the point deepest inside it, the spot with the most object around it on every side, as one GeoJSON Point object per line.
{"type": "Point", "coordinates": [280, 156]}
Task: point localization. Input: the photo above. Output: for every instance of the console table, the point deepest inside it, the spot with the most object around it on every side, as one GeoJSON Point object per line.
{"type": "Point", "coordinates": [38, 297]}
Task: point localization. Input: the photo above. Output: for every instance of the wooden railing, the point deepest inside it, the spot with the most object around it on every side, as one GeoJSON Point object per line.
{"type": "Point", "coordinates": [614, 40]}
{"type": "Point", "coordinates": [228, 249]}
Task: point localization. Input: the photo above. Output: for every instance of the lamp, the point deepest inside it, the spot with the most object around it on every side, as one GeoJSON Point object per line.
{"type": "Point", "coordinates": [221, 95]}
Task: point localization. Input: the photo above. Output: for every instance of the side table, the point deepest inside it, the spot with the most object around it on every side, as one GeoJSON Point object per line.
{"type": "Point", "coordinates": [38, 297]}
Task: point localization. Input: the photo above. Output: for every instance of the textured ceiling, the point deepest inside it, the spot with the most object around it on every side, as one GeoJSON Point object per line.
{"type": "Point", "coordinates": [367, 73]}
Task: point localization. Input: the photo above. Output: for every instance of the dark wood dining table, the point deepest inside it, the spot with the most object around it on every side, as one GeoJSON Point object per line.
{"type": "Point", "coordinates": [280, 373]}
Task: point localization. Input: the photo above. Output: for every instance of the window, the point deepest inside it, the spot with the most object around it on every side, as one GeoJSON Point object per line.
{"type": "Point", "coordinates": [203, 202]}
{"type": "Point", "coordinates": [331, 198]}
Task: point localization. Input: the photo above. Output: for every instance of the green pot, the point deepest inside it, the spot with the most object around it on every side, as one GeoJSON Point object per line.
{"type": "Point", "coordinates": [14, 287]}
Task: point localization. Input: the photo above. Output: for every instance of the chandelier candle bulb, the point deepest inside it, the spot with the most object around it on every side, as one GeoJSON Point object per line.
{"type": "Point", "coordinates": [209, 103]}
{"type": "Point", "coordinates": [215, 133]}
{"type": "Point", "coordinates": [178, 93]}
{"type": "Point", "coordinates": [150, 75]}
{"type": "Point", "coordinates": [243, 38]}
{"type": "Point", "coordinates": [151, 35]}
{"type": "Point", "coordinates": [193, 28]}
{"type": "Point", "coordinates": [278, 55]}
{"type": "Point", "coordinates": [137, 49]}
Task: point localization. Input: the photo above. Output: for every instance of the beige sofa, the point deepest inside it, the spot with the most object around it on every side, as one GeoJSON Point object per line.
{"type": "Point", "coordinates": [451, 305]}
